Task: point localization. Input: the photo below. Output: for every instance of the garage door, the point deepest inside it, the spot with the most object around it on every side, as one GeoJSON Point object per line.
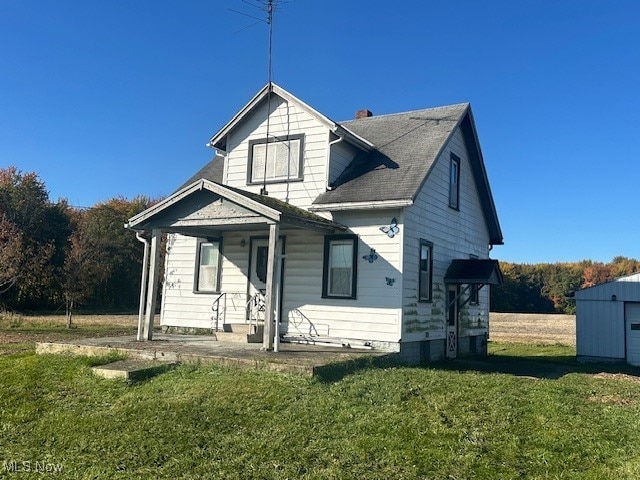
{"type": "Point", "coordinates": [632, 332]}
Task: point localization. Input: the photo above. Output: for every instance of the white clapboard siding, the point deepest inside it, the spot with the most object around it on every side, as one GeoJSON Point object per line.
{"type": "Point", "coordinates": [285, 119]}
{"type": "Point", "coordinates": [454, 234]}
{"type": "Point", "coordinates": [374, 315]}
{"type": "Point", "coordinates": [181, 306]}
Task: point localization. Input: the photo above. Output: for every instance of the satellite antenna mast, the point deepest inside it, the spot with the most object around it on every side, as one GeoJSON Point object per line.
{"type": "Point", "coordinates": [268, 6]}
{"type": "Point", "coordinates": [263, 190]}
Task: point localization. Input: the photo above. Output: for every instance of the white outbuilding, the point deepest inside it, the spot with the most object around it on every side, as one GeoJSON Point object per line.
{"type": "Point", "coordinates": [608, 321]}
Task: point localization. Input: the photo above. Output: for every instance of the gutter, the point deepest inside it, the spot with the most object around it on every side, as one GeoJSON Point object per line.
{"type": "Point", "coordinates": [328, 187]}
{"type": "Point", "coordinates": [357, 140]}
{"type": "Point", "coordinates": [376, 205]}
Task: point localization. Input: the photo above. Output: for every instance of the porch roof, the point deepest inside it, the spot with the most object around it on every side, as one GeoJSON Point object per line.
{"type": "Point", "coordinates": [205, 206]}
{"type": "Point", "coordinates": [473, 270]}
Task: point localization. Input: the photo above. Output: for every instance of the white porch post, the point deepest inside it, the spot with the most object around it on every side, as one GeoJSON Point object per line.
{"type": "Point", "coordinates": [152, 289]}
{"type": "Point", "coordinates": [270, 301]}
{"type": "Point", "coordinates": [143, 285]}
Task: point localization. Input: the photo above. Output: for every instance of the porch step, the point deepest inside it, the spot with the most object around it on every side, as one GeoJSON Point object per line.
{"type": "Point", "coordinates": [240, 333]}
{"type": "Point", "coordinates": [131, 369]}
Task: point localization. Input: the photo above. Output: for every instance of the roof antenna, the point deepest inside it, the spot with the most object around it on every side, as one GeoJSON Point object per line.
{"type": "Point", "coordinates": [263, 190]}
{"type": "Point", "coordinates": [269, 7]}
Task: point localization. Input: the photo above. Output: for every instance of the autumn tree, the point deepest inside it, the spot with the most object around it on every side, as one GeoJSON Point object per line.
{"type": "Point", "coordinates": [105, 260]}
{"type": "Point", "coordinates": [33, 237]}
{"type": "Point", "coordinates": [595, 273]}
{"type": "Point", "coordinates": [12, 254]}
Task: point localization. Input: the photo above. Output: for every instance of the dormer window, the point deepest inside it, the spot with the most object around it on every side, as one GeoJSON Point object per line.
{"type": "Point", "coordinates": [279, 160]}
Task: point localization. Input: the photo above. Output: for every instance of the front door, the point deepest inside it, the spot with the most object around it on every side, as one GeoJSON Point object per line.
{"type": "Point", "coordinates": [258, 278]}
{"type": "Point", "coordinates": [452, 321]}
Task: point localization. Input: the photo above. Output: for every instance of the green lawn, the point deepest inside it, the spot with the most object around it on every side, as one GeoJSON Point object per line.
{"type": "Point", "coordinates": [371, 423]}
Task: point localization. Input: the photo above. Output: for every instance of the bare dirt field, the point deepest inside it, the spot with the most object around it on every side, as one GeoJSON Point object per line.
{"type": "Point", "coordinates": [532, 328]}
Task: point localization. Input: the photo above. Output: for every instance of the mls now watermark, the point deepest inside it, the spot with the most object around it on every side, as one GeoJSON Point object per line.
{"type": "Point", "coordinates": [37, 466]}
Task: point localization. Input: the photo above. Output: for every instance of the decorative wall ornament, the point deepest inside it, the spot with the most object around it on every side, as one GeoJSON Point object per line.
{"type": "Point", "coordinates": [392, 229]}
{"type": "Point", "coordinates": [372, 257]}
{"type": "Point", "coordinates": [390, 281]}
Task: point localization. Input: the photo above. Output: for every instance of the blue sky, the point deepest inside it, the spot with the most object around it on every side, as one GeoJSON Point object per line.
{"type": "Point", "coordinates": [111, 97]}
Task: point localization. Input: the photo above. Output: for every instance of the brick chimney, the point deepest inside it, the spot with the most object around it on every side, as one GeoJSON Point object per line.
{"type": "Point", "coordinates": [363, 114]}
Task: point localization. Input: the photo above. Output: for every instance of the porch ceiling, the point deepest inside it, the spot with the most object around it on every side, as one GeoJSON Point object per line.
{"type": "Point", "coordinates": [205, 207]}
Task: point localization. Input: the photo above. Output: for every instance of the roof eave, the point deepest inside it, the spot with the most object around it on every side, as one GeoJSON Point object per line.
{"type": "Point", "coordinates": [217, 140]}
{"type": "Point", "coordinates": [353, 138]}
{"type": "Point", "coordinates": [366, 205]}
{"type": "Point", "coordinates": [267, 212]}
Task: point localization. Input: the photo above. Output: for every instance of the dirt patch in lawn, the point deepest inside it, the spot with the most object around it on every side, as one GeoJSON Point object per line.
{"type": "Point", "coordinates": [533, 328]}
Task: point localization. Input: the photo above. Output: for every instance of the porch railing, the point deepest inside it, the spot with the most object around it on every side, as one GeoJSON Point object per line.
{"type": "Point", "coordinates": [229, 305]}
{"type": "Point", "coordinates": [256, 307]}
{"type": "Point", "coordinates": [219, 308]}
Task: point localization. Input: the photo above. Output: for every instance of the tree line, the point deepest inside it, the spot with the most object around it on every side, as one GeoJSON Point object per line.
{"type": "Point", "coordinates": [54, 256]}
{"type": "Point", "coordinates": [549, 287]}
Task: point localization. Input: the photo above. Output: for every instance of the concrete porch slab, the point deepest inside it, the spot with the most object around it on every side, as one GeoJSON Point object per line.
{"type": "Point", "coordinates": [204, 349]}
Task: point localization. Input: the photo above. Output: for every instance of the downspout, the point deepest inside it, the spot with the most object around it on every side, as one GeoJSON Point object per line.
{"type": "Point", "coordinates": [143, 286]}
{"type": "Point", "coordinates": [327, 187]}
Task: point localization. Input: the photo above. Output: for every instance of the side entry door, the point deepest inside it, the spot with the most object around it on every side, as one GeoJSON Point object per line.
{"type": "Point", "coordinates": [452, 322]}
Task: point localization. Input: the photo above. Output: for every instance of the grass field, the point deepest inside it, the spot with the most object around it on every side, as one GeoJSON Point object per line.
{"type": "Point", "coordinates": [18, 333]}
{"type": "Point", "coordinates": [528, 412]}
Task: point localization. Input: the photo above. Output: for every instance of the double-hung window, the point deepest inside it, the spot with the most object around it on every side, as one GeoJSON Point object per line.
{"type": "Point", "coordinates": [340, 263]}
{"type": "Point", "coordinates": [425, 278]}
{"type": "Point", "coordinates": [454, 182]}
{"type": "Point", "coordinates": [208, 266]}
{"type": "Point", "coordinates": [278, 160]}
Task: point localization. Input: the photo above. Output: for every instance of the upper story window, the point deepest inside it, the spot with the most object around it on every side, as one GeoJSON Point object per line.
{"type": "Point", "coordinates": [280, 160]}
{"type": "Point", "coordinates": [454, 182]}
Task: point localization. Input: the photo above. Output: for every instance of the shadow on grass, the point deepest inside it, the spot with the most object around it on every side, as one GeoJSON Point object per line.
{"type": "Point", "coordinates": [335, 372]}
{"type": "Point", "coordinates": [542, 367]}
{"type": "Point", "coordinates": [547, 367]}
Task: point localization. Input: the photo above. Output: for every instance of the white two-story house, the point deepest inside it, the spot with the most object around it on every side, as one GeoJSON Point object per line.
{"type": "Point", "coordinates": [375, 232]}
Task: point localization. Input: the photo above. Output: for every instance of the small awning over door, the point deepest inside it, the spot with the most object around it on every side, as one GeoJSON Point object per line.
{"type": "Point", "coordinates": [474, 271]}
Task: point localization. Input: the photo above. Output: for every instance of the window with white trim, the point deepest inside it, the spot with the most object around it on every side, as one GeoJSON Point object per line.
{"type": "Point", "coordinates": [208, 266]}
{"type": "Point", "coordinates": [340, 262]}
{"type": "Point", "coordinates": [454, 182]}
{"type": "Point", "coordinates": [278, 160]}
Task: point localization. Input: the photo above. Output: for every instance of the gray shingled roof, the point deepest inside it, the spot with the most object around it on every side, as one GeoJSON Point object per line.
{"type": "Point", "coordinates": [212, 171]}
{"type": "Point", "coordinates": [407, 144]}
{"type": "Point", "coordinates": [406, 147]}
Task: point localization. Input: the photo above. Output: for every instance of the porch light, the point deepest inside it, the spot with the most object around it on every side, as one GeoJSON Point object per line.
{"type": "Point", "coordinates": [243, 242]}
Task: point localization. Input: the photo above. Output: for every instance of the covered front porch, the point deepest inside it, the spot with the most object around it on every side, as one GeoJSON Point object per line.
{"type": "Point", "coordinates": [217, 218]}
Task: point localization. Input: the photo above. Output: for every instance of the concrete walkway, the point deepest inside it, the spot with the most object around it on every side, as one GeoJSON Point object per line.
{"type": "Point", "coordinates": [202, 349]}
